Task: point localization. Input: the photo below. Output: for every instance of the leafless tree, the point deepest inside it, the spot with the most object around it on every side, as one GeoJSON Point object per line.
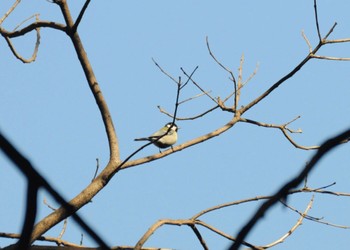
{"type": "Point", "coordinates": [31, 233]}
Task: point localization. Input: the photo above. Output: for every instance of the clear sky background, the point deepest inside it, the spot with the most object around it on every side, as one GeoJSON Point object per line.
{"type": "Point", "coordinates": [48, 112]}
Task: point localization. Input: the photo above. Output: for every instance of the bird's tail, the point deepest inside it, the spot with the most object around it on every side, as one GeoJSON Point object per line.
{"type": "Point", "coordinates": [141, 139]}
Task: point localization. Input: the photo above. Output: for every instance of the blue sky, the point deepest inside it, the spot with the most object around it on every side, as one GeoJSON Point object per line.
{"type": "Point", "coordinates": [48, 112]}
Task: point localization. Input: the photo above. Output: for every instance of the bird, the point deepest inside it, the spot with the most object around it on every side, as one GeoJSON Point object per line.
{"type": "Point", "coordinates": [164, 137]}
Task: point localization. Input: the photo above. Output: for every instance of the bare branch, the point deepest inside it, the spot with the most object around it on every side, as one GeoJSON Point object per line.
{"type": "Point", "coordinates": [344, 40]}
{"type": "Point", "coordinates": [218, 62]}
{"type": "Point", "coordinates": [182, 222]}
{"type": "Point", "coordinates": [164, 72]}
{"type": "Point", "coordinates": [287, 76]}
{"type": "Point", "coordinates": [108, 172]}
{"type": "Point", "coordinates": [225, 235]}
{"type": "Point", "coordinates": [251, 75]}
{"type": "Point", "coordinates": [307, 41]}
{"type": "Point", "coordinates": [65, 222]}
{"type": "Point", "coordinates": [96, 171]}
{"type": "Point", "coordinates": [329, 32]}
{"type": "Point", "coordinates": [57, 241]}
{"type": "Point", "coordinates": [314, 219]}
{"type": "Point", "coordinates": [48, 205]}
{"type": "Point", "coordinates": [31, 27]}
{"type": "Point", "coordinates": [9, 11]}
{"type": "Point", "coordinates": [33, 176]}
{"type": "Point", "coordinates": [26, 20]}
{"type": "Point", "coordinates": [324, 149]}
{"type": "Point", "coordinates": [331, 58]}
{"type": "Point", "coordinates": [35, 52]}
{"type": "Point", "coordinates": [198, 86]}
{"type": "Point", "coordinates": [187, 118]}
{"type": "Point", "coordinates": [284, 129]}
{"type": "Point", "coordinates": [243, 84]}
{"type": "Point", "coordinates": [316, 20]}
{"type": "Point", "coordinates": [199, 237]}
{"type": "Point", "coordinates": [81, 14]}
{"type": "Point", "coordinates": [228, 204]}
{"type": "Point", "coordinates": [236, 88]}
{"type": "Point", "coordinates": [299, 222]}
{"type": "Point", "coordinates": [194, 97]}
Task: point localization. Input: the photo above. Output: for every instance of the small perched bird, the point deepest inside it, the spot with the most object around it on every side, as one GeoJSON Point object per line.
{"type": "Point", "coordinates": [164, 137]}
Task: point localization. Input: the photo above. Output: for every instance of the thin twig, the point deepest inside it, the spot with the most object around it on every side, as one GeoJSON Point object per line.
{"type": "Point", "coordinates": [229, 204]}
{"type": "Point", "coordinates": [344, 40]}
{"type": "Point", "coordinates": [9, 11]}
{"type": "Point", "coordinates": [284, 129]}
{"type": "Point", "coordinates": [239, 84]}
{"type": "Point", "coordinates": [236, 88]}
{"type": "Point", "coordinates": [316, 20]}
{"type": "Point", "coordinates": [298, 223]}
{"type": "Point", "coordinates": [48, 205]}
{"type": "Point", "coordinates": [164, 72]}
{"type": "Point", "coordinates": [198, 86]}
{"type": "Point", "coordinates": [244, 83]}
{"type": "Point", "coordinates": [65, 222]}
{"type": "Point", "coordinates": [81, 14]}
{"type": "Point", "coordinates": [26, 20]}
{"type": "Point", "coordinates": [189, 77]}
{"type": "Point", "coordinates": [251, 75]}
{"type": "Point", "coordinates": [36, 48]}
{"type": "Point", "coordinates": [331, 58]}
{"type": "Point", "coordinates": [96, 171]}
{"type": "Point", "coordinates": [194, 97]}
{"type": "Point", "coordinates": [307, 41]}
{"type": "Point", "coordinates": [218, 62]}
{"type": "Point", "coordinates": [314, 219]}
{"type": "Point", "coordinates": [187, 118]}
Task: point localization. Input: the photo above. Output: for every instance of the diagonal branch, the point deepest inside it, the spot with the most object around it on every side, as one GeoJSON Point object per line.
{"type": "Point", "coordinates": [108, 172]}
{"type": "Point", "coordinates": [188, 118]}
{"type": "Point", "coordinates": [284, 129]}
{"type": "Point", "coordinates": [283, 191]}
{"type": "Point", "coordinates": [81, 14]}
{"type": "Point", "coordinates": [180, 147]}
{"type": "Point", "coordinates": [298, 223]}
{"type": "Point", "coordinates": [12, 8]}
{"type": "Point", "coordinates": [199, 237]}
{"type": "Point", "coordinates": [33, 176]}
{"type": "Point", "coordinates": [287, 76]}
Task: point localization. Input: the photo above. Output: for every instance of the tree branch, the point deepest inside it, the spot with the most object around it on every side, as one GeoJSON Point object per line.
{"type": "Point", "coordinates": [284, 129]}
{"type": "Point", "coordinates": [323, 150]}
{"type": "Point", "coordinates": [81, 14]}
{"type": "Point", "coordinates": [34, 177]}
{"type": "Point", "coordinates": [103, 178]}
{"type": "Point", "coordinates": [298, 223]}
